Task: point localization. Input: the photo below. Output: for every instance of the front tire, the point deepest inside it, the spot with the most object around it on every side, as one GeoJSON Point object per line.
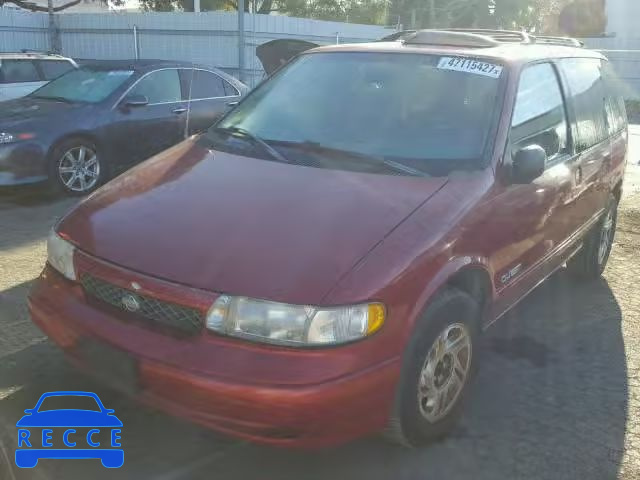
{"type": "Point", "coordinates": [438, 365]}
{"type": "Point", "coordinates": [76, 167]}
{"type": "Point", "coordinates": [589, 263]}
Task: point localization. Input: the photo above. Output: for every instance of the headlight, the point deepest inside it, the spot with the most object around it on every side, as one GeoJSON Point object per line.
{"type": "Point", "coordinates": [60, 255]}
{"type": "Point", "coordinates": [6, 137]}
{"type": "Point", "coordinates": [296, 325]}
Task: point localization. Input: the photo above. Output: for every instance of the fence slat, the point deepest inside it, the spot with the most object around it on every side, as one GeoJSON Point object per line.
{"type": "Point", "coordinates": [208, 38]}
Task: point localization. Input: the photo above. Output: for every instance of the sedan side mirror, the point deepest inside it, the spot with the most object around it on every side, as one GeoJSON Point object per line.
{"type": "Point", "coordinates": [135, 101]}
{"type": "Point", "coordinates": [528, 164]}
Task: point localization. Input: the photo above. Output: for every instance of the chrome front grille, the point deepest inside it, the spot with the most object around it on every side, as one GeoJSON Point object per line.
{"type": "Point", "coordinates": [185, 319]}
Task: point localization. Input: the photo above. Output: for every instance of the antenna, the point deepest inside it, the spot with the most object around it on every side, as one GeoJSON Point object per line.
{"type": "Point", "coordinates": [186, 123]}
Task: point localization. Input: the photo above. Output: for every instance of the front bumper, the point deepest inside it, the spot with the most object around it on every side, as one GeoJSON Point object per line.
{"type": "Point", "coordinates": [313, 414]}
{"type": "Point", "coordinates": [22, 163]}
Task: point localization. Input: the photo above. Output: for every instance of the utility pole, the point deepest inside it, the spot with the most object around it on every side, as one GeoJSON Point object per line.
{"type": "Point", "coordinates": [241, 72]}
{"type": "Point", "coordinates": [52, 27]}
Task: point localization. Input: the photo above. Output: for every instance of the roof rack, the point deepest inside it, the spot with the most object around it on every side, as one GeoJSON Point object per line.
{"type": "Point", "coordinates": [478, 37]}
{"type": "Point", "coordinates": [503, 36]}
{"type": "Point", "coordinates": [450, 38]}
{"type": "Point", "coordinates": [563, 41]}
{"type": "Point", "coordinates": [39, 52]}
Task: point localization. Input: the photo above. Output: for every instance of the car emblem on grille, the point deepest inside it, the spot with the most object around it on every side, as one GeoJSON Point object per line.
{"type": "Point", "coordinates": [130, 303]}
{"type": "Point", "coordinates": [135, 285]}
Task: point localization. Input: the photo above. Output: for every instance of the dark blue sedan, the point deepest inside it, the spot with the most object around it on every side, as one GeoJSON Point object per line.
{"type": "Point", "coordinates": [94, 122]}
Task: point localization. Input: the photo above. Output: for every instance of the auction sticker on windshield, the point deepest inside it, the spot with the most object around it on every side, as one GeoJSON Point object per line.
{"type": "Point", "coordinates": [469, 65]}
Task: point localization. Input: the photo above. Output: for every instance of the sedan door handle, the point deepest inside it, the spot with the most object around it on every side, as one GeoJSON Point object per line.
{"type": "Point", "coordinates": [179, 110]}
{"type": "Point", "coordinates": [232, 104]}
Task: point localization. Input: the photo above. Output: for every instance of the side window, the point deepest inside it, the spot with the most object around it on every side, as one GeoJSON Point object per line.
{"type": "Point", "coordinates": [587, 93]}
{"type": "Point", "coordinates": [54, 68]}
{"type": "Point", "coordinates": [205, 85]}
{"type": "Point", "coordinates": [230, 90]}
{"type": "Point", "coordinates": [161, 86]}
{"type": "Point", "coordinates": [539, 116]}
{"type": "Point", "coordinates": [614, 101]}
{"type": "Point", "coordinates": [18, 71]}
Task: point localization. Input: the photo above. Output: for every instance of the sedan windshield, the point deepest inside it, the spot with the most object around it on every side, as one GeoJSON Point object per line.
{"type": "Point", "coordinates": [411, 109]}
{"type": "Point", "coordinates": [85, 85]}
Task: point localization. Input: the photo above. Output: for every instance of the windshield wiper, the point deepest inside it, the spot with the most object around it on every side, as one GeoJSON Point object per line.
{"type": "Point", "coordinates": [317, 147]}
{"type": "Point", "coordinates": [52, 97]}
{"type": "Point", "coordinates": [241, 132]}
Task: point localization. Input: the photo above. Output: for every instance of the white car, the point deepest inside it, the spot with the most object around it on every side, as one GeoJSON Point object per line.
{"type": "Point", "coordinates": [22, 73]}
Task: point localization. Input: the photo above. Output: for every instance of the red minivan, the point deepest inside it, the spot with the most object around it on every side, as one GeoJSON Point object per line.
{"type": "Point", "coordinates": [320, 263]}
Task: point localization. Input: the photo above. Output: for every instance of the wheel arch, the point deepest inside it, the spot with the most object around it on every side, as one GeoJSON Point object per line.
{"type": "Point", "coordinates": [471, 275]}
{"type": "Point", "coordinates": [82, 134]}
{"type": "Point", "coordinates": [616, 191]}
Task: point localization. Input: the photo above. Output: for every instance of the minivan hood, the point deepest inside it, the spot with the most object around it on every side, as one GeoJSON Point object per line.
{"type": "Point", "coordinates": [244, 226]}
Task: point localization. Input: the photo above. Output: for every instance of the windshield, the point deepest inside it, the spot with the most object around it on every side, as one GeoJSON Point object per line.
{"type": "Point", "coordinates": [84, 85]}
{"type": "Point", "coordinates": [410, 108]}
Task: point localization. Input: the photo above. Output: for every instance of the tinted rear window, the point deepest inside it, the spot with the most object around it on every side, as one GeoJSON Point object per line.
{"type": "Point", "coordinates": [587, 92]}
{"type": "Point", "coordinates": [206, 85]}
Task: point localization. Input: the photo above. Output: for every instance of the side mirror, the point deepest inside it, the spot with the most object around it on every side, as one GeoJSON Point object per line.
{"type": "Point", "coordinates": [135, 101]}
{"type": "Point", "coordinates": [528, 164]}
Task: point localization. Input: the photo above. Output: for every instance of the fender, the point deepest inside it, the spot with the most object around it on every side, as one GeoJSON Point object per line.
{"type": "Point", "coordinates": [439, 281]}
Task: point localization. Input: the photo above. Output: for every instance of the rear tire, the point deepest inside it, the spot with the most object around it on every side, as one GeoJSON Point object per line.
{"type": "Point", "coordinates": [591, 260]}
{"type": "Point", "coordinates": [438, 365]}
{"type": "Point", "coordinates": [76, 167]}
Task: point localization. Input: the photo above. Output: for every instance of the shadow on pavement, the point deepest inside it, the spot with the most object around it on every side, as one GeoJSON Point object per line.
{"type": "Point", "coordinates": [27, 196]}
{"type": "Point", "coordinates": [27, 213]}
{"type": "Point", "coordinates": [550, 401]}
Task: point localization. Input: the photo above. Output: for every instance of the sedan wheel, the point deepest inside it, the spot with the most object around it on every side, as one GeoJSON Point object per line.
{"type": "Point", "coordinates": [79, 169]}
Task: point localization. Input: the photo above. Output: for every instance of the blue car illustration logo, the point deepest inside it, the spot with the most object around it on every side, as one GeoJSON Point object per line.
{"type": "Point", "coordinates": [99, 430]}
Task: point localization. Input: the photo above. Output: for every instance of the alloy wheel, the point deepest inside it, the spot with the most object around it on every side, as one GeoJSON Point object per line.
{"type": "Point", "coordinates": [79, 169]}
{"type": "Point", "coordinates": [606, 237]}
{"type": "Point", "coordinates": [445, 372]}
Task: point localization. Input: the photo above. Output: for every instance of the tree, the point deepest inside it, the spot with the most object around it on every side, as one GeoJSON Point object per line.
{"type": "Point", "coordinates": [38, 8]}
{"type": "Point", "coordinates": [258, 6]}
{"type": "Point", "coordinates": [32, 6]}
{"type": "Point", "coordinates": [583, 18]}
{"type": "Point", "coordinates": [530, 15]}
{"type": "Point", "coordinates": [355, 11]}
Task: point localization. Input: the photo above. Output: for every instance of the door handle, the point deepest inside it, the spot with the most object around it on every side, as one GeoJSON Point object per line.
{"type": "Point", "coordinates": [179, 110]}
{"type": "Point", "coordinates": [232, 104]}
